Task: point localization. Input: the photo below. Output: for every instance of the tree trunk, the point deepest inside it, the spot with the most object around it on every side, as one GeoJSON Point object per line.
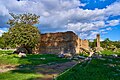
{"type": "Point", "coordinates": [29, 50]}
{"type": "Point", "coordinates": [25, 49]}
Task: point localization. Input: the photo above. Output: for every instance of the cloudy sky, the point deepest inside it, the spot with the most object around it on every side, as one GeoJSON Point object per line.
{"type": "Point", "coordinates": [85, 17]}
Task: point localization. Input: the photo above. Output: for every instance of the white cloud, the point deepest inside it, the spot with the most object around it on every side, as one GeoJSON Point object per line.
{"type": "Point", "coordinates": [113, 9]}
{"type": "Point", "coordinates": [61, 15]}
{"type": "Point", "coordinates": [3, 10]}
{"type": "Point", "coordinates": [113, 22]}
{"type": "Point", "coordinates": [2, 31]}
{"type": "Point", "coordinates": [84, 27]}
{"type": "Point", "coordinates": [92, 35]}
{"type": "Point", "coordinates": [109, 28]}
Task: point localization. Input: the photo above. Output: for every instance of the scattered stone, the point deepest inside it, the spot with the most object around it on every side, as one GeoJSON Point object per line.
{"type": "Point", "coordinates": [88, 58]}
{"type": "Point", "coordinates": [91, 53]}
{"type": "Point", "coordinates": [114, 55]}
{"type": "Point", "coordinates": [102, 59]}
{"type": "Point", "coordinates": [42, 58]}
{"type": "Point", "coordinates": [20, 49]}
{"type": "Point", "coordinates": [61, 56]}
{"type": "Point", "coordinates": [21, 66]}
{"type": "Point", "coordinates": [96, 55]}
{"type": "Point", "coordinates": [112, 65]}
{"type": "Point", "coordinates": [22, 54]}
{"type": "Point", "coordinates": [78, 57]}
{"type": "Point", "coordinates": [65, 55]}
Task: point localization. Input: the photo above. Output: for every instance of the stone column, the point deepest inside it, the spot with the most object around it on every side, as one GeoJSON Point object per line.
{"type": "Point", "coordinates": [98, 48]}
{"type": "Point", "coordinates": [98, 40]}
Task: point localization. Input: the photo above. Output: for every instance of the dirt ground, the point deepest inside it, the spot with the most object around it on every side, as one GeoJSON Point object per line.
{"type": "Point", "coordinates": [50, 71]}
{"type": "Point", "coordinates": [5, 68]}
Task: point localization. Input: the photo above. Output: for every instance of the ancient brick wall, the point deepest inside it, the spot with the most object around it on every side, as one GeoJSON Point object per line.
{"type": "Point", "coordinates": [55, 43]}
{"type": "Point", "coordinates": [84, 44]}
{"type": "Point", "coordinates": [61, 42]}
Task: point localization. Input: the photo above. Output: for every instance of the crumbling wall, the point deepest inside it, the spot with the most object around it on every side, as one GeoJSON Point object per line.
{"type": "Point", "coordinates": [85, 44]}
{"type": "Point", "coordinates": [81, 45]}
{"type": "Point", "coordinates": [61, 42]}
{"type": "Point", "coordinates": [55, 43]}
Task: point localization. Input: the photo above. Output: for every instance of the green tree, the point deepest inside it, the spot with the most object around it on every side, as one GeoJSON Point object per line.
{"type": "Point", "coordinates": [2, 42]}
{"type": "Point", "coordinates": [28, 18]}
{"type": "Point", "coordinates": [116, 43]}
{"type": "Point", "coordinates": [93, 44]}
{"type": "Point", "coordinates": [106, 43]}
{"type": "Point", "coordinates": [107, 40]}
{"type": "Point", "coordinates": [22, 32]}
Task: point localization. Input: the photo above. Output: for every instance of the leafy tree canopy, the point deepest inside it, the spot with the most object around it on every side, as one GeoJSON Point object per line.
{"type": "Point", "coordinates": [22, 32]}
{"type": "Point", "coordinates": [107, 40]}
{"type": "Point", "coordinates": [28, 18]}
{"type": "Point", "coordinates": [2, 43]}
{"type": "Point", "coordinates": [93, 44]}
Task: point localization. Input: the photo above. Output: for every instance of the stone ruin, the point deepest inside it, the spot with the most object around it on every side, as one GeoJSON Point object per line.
{"type": "Point", "coordinates": [98, 47]}
{"type": "Point", "coordinates": [61, 42]}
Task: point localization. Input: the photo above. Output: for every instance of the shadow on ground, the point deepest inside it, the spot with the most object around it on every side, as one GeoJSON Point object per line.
{"type": "Point", "coordinates": [39, 67]}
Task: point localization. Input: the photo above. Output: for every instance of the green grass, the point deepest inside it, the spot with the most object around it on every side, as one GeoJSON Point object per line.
{"type": "Point", "coordinates": [19, 76]}
{"type": "Point", "coordinates": [25, 66]}
{"type": "Point", "coordinates": [84, 54]}
{"type": "Point", "coordinates": [7, 58]}
{"type": "Point", "coordinates": [110, 52]}
{"type": "Point", "coordinates": [97, 69]}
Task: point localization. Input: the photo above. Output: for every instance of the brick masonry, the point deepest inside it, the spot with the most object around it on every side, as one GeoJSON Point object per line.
{"type": "Point", "coordinates": [61, 42]}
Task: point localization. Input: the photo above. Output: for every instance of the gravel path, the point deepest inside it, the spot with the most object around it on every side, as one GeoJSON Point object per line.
{"type": "Point", "coordinates": [51, 71]}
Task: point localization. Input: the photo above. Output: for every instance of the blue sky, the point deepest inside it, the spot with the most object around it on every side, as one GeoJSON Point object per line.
{"type": "Point", "coordinates": [100, 4]}
{"type": "Point", "coordinates": [85, 17]}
